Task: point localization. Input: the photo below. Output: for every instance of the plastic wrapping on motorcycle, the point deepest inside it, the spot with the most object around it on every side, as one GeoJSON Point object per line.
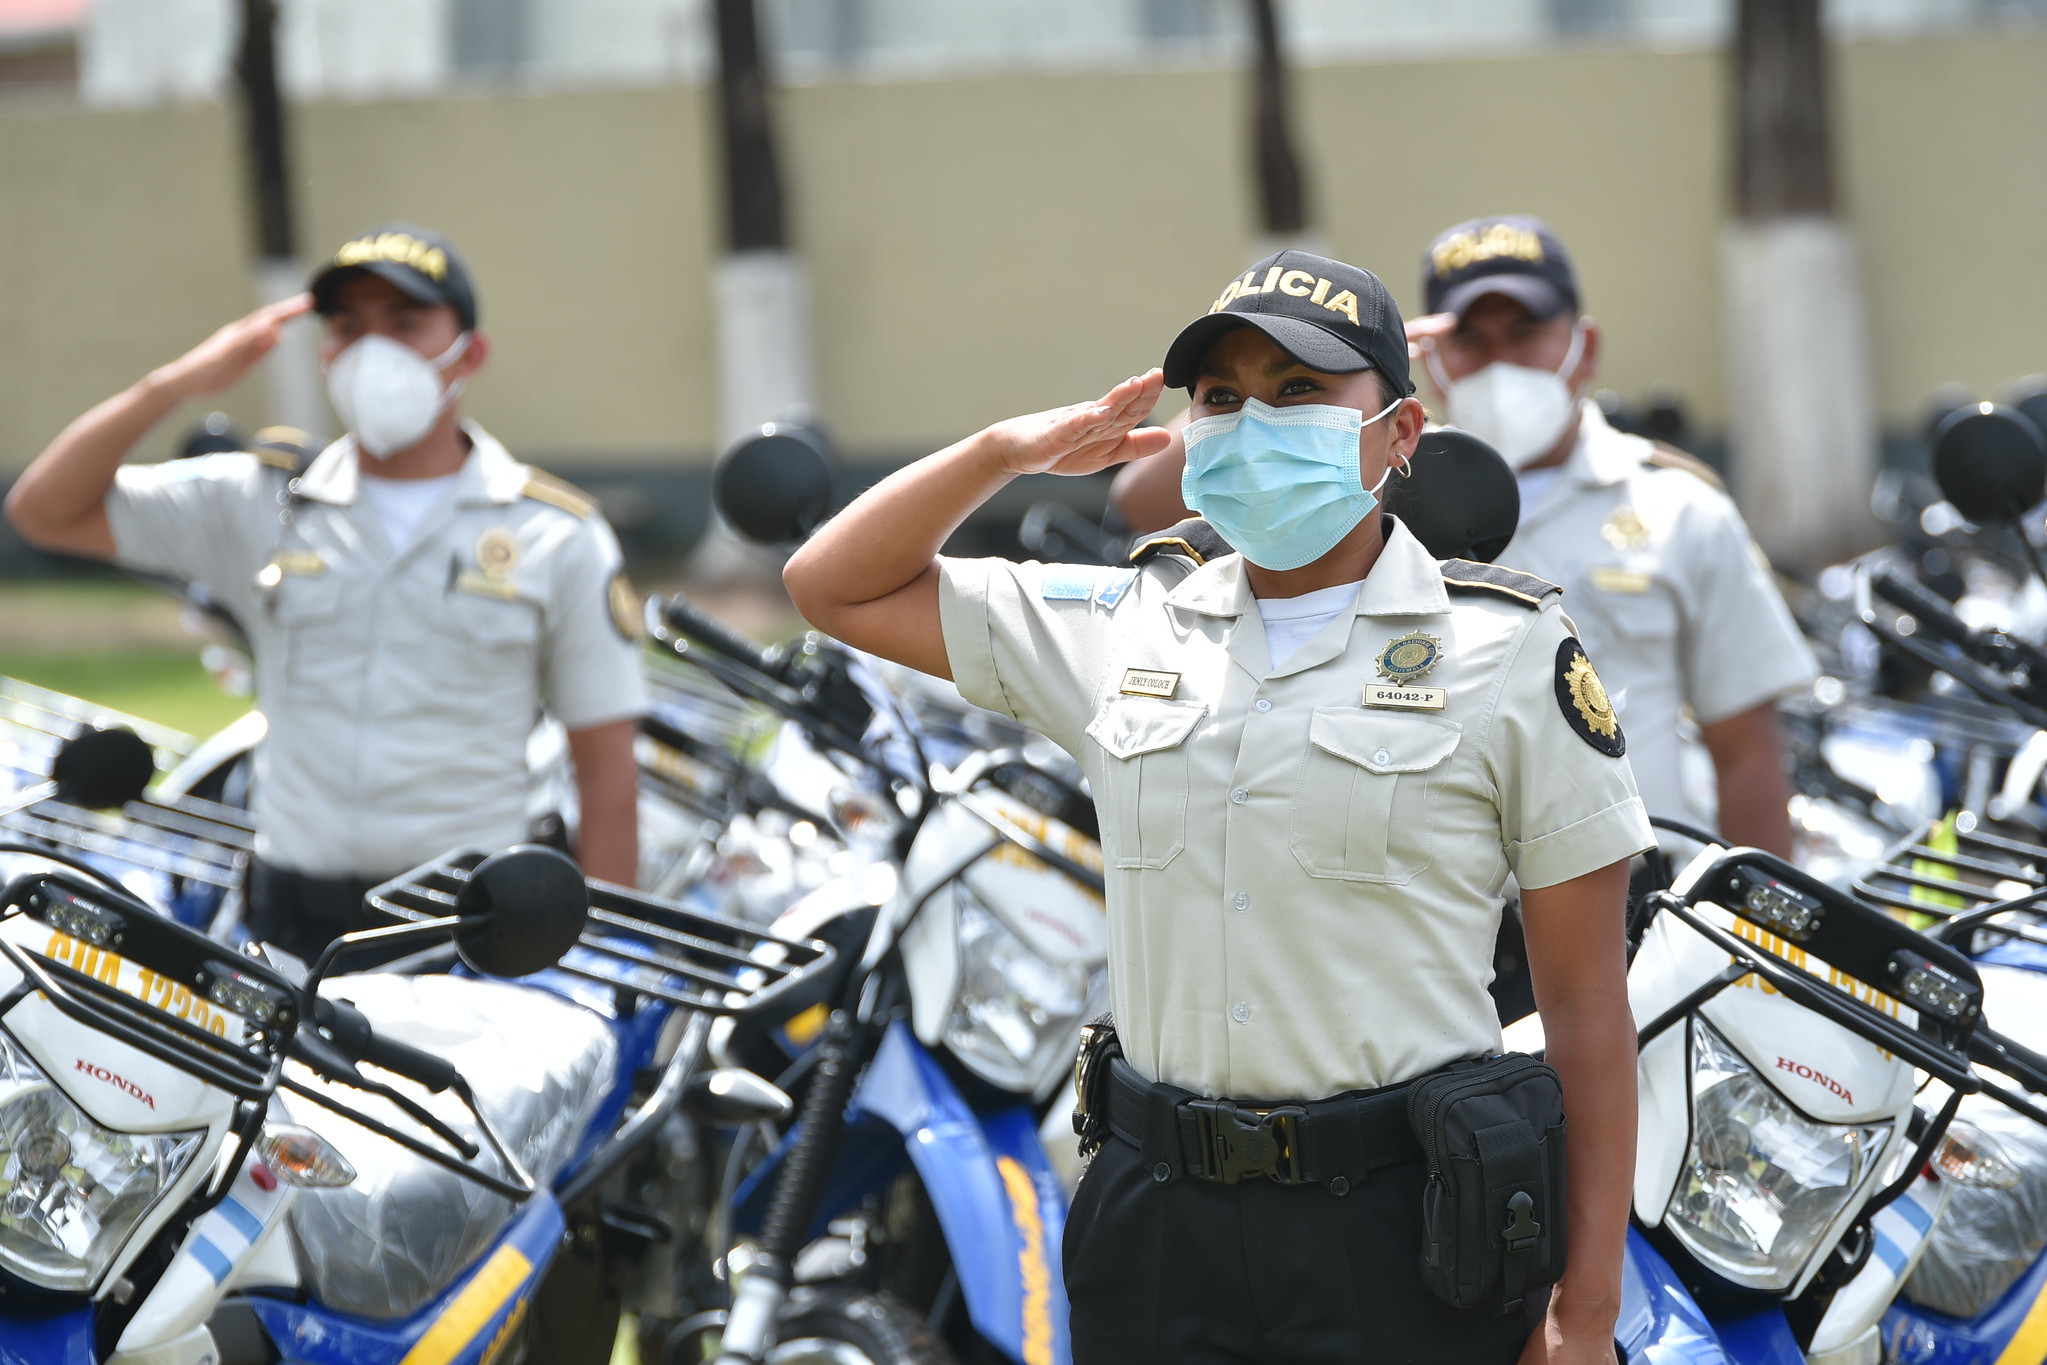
{"type": "Point", "coordinates": [1987, 1238]}
{"type": "Point", "coordinates": [406, 1227]}
{"type": "Point", "coordinates": [644, 945]}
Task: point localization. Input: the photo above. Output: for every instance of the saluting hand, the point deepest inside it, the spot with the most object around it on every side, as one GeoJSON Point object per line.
{"type": "Point", "coordinates": [1085, 437]}
{"type": "Point", "coordinates": [223, 359]}
{"type": "Point", "coordinates": [1428, 328]}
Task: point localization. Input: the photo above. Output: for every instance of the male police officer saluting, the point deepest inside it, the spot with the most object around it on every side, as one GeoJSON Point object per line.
{"type": "Point", "coordinates": [1317, 762]}
{"type": "Point", "coordinates": [412, 596]}
{"type": "Point", "coordinates": [1675, 600]}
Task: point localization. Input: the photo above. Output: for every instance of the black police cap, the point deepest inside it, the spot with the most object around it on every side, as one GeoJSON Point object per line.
{"type": "Point", "coordinates": [1512, 254]}
{"type": "Point", "coordinates": [1329, 316]}
{"type": "Point", "coordinates": [421, 263]}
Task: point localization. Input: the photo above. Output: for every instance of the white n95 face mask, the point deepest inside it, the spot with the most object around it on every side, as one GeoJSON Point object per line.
{"type": "Point", "coordinates": [389, 394]}
{"type": "Point", "coordinates": [1517, 410]}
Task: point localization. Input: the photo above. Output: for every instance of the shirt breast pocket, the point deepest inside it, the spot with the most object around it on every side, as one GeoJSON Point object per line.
{"type": "Point", "coordinates": [497, 640]}
{"type": "Point", "coordinates": [1362, 806]}
{"type": "Point", "coordinates": [306, 611]}
{"type": "Point", "coordinates": [1630, 606]}
{"type": "Point", "coordinates": [1145, 811]}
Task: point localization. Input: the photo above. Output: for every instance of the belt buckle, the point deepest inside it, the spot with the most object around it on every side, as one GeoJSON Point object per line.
{"type": "Point", "coordinates": [1239, 1143]}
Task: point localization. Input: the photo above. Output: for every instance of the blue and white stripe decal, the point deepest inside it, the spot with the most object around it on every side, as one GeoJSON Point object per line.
{"type": "Point", "coordinates": [1903, 1225]}
{"type": "Point", "coordinates": [223, 1237]}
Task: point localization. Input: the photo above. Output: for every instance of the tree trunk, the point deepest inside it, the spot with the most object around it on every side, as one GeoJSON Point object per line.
{"type": "Point", "coordinates": [291, 374]}
{"type": "Point", "coordinates": [1801, 414]}
{"type": "Point", "coordinates": [1282, 209]}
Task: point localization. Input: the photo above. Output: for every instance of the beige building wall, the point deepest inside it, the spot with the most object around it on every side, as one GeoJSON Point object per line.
{"type": "Point", "coordinates": [989, 246]}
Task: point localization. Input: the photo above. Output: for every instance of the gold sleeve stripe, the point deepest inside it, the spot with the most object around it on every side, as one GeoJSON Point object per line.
{"type": "Point", "coordinates": [1492, 587]}
{"type": "Point", "coordinates": [1670, 457]}
{"type": "Point", "coordinates": [277, 459]}
{"type": "Point", "coordinates": [1164, 543]}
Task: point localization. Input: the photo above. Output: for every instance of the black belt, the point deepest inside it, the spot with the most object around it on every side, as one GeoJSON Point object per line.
{"type": "Point", "coordinates": [1331, 1142]}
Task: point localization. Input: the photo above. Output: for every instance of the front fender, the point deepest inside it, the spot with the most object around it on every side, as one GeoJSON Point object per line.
{"type": "Point", "coordinates": [1000, 1203]}
{"type": "Point", "coordinates": [1659, 1322]}
{"type": "Point", "coordinates": [57, 1339]}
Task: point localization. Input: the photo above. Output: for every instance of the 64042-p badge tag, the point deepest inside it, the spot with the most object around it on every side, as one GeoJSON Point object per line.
{"type": "Point", "coordinates": [1583, 700]}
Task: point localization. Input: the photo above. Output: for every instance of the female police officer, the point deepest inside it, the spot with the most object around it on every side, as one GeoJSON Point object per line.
{"type": "Point", "coordinates": [1317, 761]}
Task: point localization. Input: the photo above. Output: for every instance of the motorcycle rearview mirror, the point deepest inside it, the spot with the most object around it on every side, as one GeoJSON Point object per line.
{"type": "Point", "coordinates": [775, 486]}
{"type": "Point", "coordinates": [1990, 462]}
{"type": "Point", "coordinates": [102, 769]}
{"type": "Point", "coordinates": [1459, 497]}
{"type": "Point", "coordinates": [732, 1097]}
{"type": "Point", "coordinates": [521, 910]}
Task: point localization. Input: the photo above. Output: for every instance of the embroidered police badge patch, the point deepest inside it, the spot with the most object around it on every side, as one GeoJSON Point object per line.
{"type": "Point", "coordinates": [1410, 657]}
{"type": "Point", "coordinates": [1583, 700]}
{"type": "Point", "coordinates": [624, 605]}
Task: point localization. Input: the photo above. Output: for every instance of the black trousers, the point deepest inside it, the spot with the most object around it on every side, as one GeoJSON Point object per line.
{"type": "Point", "coordinates": [1257, 1273]}
{"type": "Point", "coordinates": [303, 914]}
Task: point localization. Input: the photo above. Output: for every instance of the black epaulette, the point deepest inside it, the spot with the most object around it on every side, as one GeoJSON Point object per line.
{"type": "Point", "coordinates": [1193, 538]}
{"type": "Point", "coordinates": [1670, 457]}
{"type": "Point", "coordinates": [285, 448]}
{"type": "Point", "coordinates": [1470, 576]}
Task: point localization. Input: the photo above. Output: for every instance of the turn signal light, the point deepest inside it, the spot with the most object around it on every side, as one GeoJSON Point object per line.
{"type": "Point", "coordinates": [300, 1156]}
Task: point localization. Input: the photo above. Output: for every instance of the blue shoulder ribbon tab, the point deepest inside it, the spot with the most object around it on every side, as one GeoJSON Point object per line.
{"type": "Point", "coordinates": [1113, 588]}
{"type": "Point", "coordinates": [1069, 583]}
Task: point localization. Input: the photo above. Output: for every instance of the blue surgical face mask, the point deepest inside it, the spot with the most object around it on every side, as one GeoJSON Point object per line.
{"type": "Point", "coordinates": [1281, 484]}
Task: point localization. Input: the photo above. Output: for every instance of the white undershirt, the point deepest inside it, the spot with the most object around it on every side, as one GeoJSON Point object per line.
{"type": "Point", "coordinates": [402, 504]}
{"type": "Point", "coordinates": [1291, 622]}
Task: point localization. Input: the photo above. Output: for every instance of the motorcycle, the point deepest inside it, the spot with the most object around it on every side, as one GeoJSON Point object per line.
{"type": "Point", "coordinates": [198, 1168]}
{"type": "Point", "coordinates": [915, 1187]}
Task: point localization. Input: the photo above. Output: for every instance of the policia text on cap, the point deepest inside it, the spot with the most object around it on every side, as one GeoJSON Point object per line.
{"type": "Point", "coordinates": [1317, 761]}
{"type": "Point", "coordinates": [413, 595]}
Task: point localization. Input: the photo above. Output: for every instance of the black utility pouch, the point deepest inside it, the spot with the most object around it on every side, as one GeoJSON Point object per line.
{"type": "Point", "coordinates": [1492, 1132]}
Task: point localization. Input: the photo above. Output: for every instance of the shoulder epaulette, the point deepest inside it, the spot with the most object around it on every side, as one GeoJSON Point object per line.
{"type": "Point", "coordinates": [1670, 457]}
{"type": "Point", "coordinates": [542, 486]}
{"type": "Point", "coordinates": [1194, 538]}
{"type": "Point", "coordinates": [1470, 576]}
{"type": "Point", "coordinates": [281, 447]}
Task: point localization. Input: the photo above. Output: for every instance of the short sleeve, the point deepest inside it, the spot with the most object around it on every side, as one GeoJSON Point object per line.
{"type": "Point", "coordinates": [1566, 796]}
{"type": "Point", "coordinates": [1031, 640]}
{"type": "Point", "coordinates": [592, 670]}
{"type": "Point", "coordinates": [1742, 648]}
{"type": "Point", "coordinates": [191, 519]}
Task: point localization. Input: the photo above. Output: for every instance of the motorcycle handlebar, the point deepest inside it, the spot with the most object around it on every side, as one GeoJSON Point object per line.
{"type": "Point", "coordinates": [1933, 613]}
{"type": "Point", "coordinates": [349, 1031]}
{"type": "Point", "coordinates": [693, 621]}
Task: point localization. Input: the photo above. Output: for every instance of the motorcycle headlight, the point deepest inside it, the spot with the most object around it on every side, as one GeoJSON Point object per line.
{"type": "Point", "coordinates": [1017, 1019]}
{"type": "Point", "coordinates": [71, 1191]}
{"type": "Point", "coordinates": [1761, 1183]}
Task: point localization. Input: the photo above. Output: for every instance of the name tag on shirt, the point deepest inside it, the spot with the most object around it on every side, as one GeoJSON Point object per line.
{"type": "Point", "coordinates": [485, 586]}
{"type": "Point", "coordinates": [303, 563]}
{"type": "Point", "coordinates": [1405, 698]}
{"type": "Point", "coordinates": [1138, 682]}
{"type": "Point", "coordinates": [1608, 578]}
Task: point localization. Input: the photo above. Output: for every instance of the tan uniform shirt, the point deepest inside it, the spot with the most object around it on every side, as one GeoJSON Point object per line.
{"type": "Point", "coordinates": [1303, 890]}
{"type": "Point", "coordinates": [400, 686]}
{"type": "Point", "coordinates": [1673, 601]}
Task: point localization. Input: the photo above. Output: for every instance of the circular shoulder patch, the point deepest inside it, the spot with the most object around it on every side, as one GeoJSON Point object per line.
{"type": "Point", "coordinates": [624, 605]}
{"type": "Point", "coordinates": [1583, 700]}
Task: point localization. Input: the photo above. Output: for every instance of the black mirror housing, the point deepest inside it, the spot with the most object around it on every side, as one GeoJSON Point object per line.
{"type": "Point", "coordinates": [1990, 462]}
{"type": "Point", "coordinates": [103, 769]}
{"type": "Point", "coordinates": [521, 910]}
{"type": "Point", "coordinates": [775, 487]}
{"type": "Point", "coordinates": [1460, 498]}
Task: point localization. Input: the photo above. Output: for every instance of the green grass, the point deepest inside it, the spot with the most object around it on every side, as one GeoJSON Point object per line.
{"type": "Point", "coordinates": [163, 684]}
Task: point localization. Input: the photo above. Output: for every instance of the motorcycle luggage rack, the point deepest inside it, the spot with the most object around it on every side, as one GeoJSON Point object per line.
{"type": "Point", "coordinates": [1983, 875]}
{"type": "Point", "coordinates": [196, 840]}
{"type": "Point", "coordinates": [644, 945]}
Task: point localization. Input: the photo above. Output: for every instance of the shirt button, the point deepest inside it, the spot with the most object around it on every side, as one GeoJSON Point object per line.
{"type": "Point", "coordinates": [1241, 1013]}
{"type": "Point", "coordinates": [1240, 796]}
{"type": "Point", "coordinates": [1263, 704]}
{"type": "Point", "coordinates": [1382, 757]}
{"type": "Point", "coordinates": [1242, 900]}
